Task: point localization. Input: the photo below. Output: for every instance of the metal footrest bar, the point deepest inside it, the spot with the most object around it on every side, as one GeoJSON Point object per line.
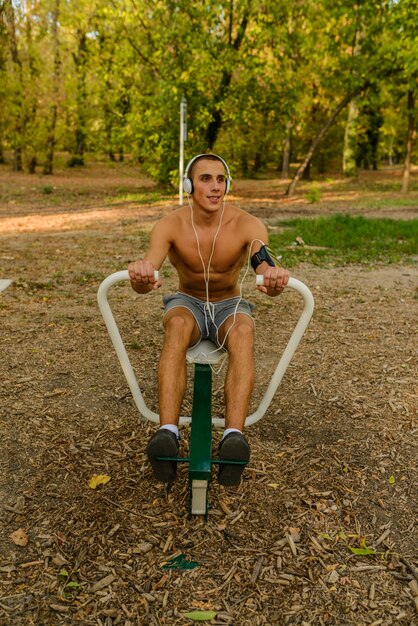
{"type": "Point", "coordinates": [178, 459]}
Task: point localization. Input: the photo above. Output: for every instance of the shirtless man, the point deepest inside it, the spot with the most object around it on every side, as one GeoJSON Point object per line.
{"type": "Point", "coordinates": [208, 242]}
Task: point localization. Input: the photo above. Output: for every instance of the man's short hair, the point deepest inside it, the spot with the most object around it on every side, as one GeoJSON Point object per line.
{"type": "Point", "coordinates": [202, 157]}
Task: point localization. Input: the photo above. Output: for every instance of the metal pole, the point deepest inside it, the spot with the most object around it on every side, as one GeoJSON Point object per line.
{"type": "Point", "coordinates": [183, 138]}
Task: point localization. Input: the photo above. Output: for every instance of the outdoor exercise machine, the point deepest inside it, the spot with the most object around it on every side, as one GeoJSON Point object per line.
{"type": "Point", "coordinates": [203, 356]}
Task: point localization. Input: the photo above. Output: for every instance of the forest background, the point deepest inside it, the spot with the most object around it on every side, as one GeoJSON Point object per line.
{"type": "Point", "coordinates": [325, 85]}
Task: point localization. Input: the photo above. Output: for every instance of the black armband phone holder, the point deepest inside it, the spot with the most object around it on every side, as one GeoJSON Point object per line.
{"type": "Point", "coordinates": [260, 256]}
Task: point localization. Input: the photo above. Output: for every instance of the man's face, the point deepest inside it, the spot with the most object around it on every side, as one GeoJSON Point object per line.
{"type": "Point", "coordinates": [209, 181]}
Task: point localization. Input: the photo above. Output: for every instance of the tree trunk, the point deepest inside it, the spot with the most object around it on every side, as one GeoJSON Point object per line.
{"type": "Point", "coordinates": [32, 163]}
{"type": "Point", "coordinates": [390, 157]}
{"type": "Point", "coordinates": [286, 151]}
{"type": "Point", "coordinates": [409, 140]}
{"type": "Point", "coordinates": [350, 135]}
{"type": "Point", "coordinates": [244, 165]}
{"type": "Point", "coordinates": [110, 152]}
{"type": "Point", "coordinates": [80, 60]}
{"type": "Point", "coordinates": [306, 174]}
{"type": "Point", "coordinates": [258, 162]}
{"type": "Point", "coordinates": [215, 124]}
{"type": "Point", "coordinates": [261, 155]}
{"type": "Point", "coordinates": [31, 99]}
{"type": "Point", "coordinates": [302, 167]}
{"type": "Point", "coordinates": [17, 140]}
{"type": "Point", "coordinates": [53, 112]}
{"type": "Point", "coordinates": [17, 155]}
{"type": "Point", "coordinates": [50, 142]}
{"type": "Point", "coordinates": [106, 60]}
{"type": "Point", "coordinates": [350, 140]}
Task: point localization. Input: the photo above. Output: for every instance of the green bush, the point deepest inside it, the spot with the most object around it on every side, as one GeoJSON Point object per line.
{"type": "Point", "coordinates": [313, 195]}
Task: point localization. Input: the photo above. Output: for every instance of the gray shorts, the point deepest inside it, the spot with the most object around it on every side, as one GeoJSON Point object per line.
{"type": "Point", "coordinates": [208, 320]}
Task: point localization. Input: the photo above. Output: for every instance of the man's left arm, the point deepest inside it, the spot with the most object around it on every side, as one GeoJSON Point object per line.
{"type": "Point", "coordinates": [275, 278]}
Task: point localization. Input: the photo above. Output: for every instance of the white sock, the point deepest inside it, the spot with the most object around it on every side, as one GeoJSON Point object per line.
{"type": "Point", "coordinates": [230, 430]}
{"type": "Point", "coordinates": [172, 428]}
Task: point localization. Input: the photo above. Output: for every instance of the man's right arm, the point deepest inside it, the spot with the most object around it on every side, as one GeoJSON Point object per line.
{"type": "Point", "coordinates": [141, 273]}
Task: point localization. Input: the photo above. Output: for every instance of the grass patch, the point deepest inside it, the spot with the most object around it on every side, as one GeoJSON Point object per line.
{"type": "Point", "coordinates": [87, 277]}
{"type": "Point", "coordinates": [342, 239]}
{"type": "Point", "coordinates": [147, 197]}
{"type": "Point", "coordinates": [379, 203]}
{"type": "Point", "coordinates": [382, 186]}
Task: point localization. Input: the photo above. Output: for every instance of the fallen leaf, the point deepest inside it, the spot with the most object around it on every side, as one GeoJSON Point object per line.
{"type": "Point", "coordinates": [363, 551]}
{"type": "Point", "coordinates": [325, 536]}
{"type": "Point", "coordinates": [98, 479]}
{"type": "Point", "coordinates": [201, 616]}
{"type": "Point", "coordinates": [180, 562]}
{"type": "Point", "coordinates": [58, 560]}
{"type": "Point", "coordinates": [19, 537]}
{"type": "Point", "coordinates": [392, 480]}
{"type": "Point", "coordinates": [73, 585]}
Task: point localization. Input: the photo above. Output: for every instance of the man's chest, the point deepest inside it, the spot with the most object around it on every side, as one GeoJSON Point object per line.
{"type": "Point", "coordinates": [224, 250]}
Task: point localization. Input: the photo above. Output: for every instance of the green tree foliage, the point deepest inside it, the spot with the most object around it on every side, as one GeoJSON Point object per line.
{"type": "Point", "coordinates": [405, 51]}
{"type": "Point", "coordinates": [263, 79]}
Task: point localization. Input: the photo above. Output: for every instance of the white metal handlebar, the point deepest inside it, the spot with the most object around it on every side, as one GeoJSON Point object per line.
{"type": "Point", "coordinates": [118, 344]}
{"type": "Point", "coordinates": [284, 361]}
{"type": "Point", "coordinates": [290, 349]}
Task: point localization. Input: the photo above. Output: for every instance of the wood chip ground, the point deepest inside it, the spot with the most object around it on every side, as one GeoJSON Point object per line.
{"type": "Point", "coordinates": [333, 465]}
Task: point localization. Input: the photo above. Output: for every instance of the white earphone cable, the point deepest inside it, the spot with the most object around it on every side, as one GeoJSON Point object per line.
{"type": "Point", "coordinates": [206, 271]}
{"type": "Point", "coordinates": [206, 275]}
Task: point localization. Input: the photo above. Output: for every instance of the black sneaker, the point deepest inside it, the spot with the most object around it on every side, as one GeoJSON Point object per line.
{"type": "Point", "coordinates": [163, 443]}
{"type": "Point", "coordinates": [233, 447]}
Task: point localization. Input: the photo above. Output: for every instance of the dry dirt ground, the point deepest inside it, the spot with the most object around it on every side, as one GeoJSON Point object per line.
{"type": "Point", "coordinates": [333, 467]}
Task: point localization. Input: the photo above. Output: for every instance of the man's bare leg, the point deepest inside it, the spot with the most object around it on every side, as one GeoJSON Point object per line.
{"type": "Point", "coordinates": [180, 332]}
{"type": "Point", "coordinates": [239, 382]}
{"type": "Point", "coordinates": [239, 385]}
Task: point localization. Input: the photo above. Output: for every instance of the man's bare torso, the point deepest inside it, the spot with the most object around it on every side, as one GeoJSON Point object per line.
{"type": "Point", "coordinates": [225, 235]}
{"type": "Point", "coordinates": [230, 252]}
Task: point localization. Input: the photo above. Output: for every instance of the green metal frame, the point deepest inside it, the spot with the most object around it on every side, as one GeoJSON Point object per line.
{"type": "Point", "coordinates": [200, 462]}
{"type": "Point", "coordinates": [200, 458]}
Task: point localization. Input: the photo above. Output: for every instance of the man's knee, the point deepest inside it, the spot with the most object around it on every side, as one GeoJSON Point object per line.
{"type": "Point", "coordinates": [179, 327]}
{"type": "Point", "coordinates": [241, 334]}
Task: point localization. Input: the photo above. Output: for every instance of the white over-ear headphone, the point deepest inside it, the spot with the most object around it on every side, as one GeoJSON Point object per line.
{"type": "Point", "coordinates": [188, 183]}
